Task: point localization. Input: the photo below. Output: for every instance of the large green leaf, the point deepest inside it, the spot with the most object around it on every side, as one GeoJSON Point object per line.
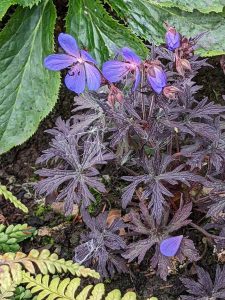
{"type": "Point", "coordinates": [28, 3]}
{"type": "Point", "coordinates": [146, 20]}
{"type": "Point", "coordinates": [28, 91]}
{"type": "Point", "coordinates": [97, 31]}
{"type": "Point", "coordinates": [4, 5]}
{"type": "Point", "coordinates": [204, 6]}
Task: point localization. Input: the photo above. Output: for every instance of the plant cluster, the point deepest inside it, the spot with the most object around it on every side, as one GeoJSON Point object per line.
{"type": "Point", "coordinates": [33, 275]}
{"type": "Point", "coordinates": [144, 118]}
{"type": "Point", "coordinates": [18, 269]}
{"type": "Point", "coordinates": [11, 236]}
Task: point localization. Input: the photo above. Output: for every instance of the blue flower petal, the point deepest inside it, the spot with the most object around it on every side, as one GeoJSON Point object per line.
{"type": "Point", "coordinates": [93, 77]}
{"type": "Point", "coordinates": [170, 246]}
{"type": "Point", "coordinates": [130, 56]}
{"type": "Point", "coordinates": [172, 40]}
{"type": "Point", "coordinates": [75, 79]}
{"type": "Point", "coordinates": [56, 62]}
{"type": "Point", "coordinates": [69, 44]}
{"type": "Point", "coordinates": [87, 57]}
{"type": "Point", "coordinates": [157, 88]}
{"type": "Point", "coordinates": [114, 70]}
{"type": "Point", "coordinates": [160, 77]}
{"type": "Point", "coordinates": [137, 79]}
{"type": "Point", "coordinates": [157, 82]}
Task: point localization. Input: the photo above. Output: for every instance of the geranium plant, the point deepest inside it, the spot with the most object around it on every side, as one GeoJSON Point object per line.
{"type": "Point", "coordinates": [143, 117]}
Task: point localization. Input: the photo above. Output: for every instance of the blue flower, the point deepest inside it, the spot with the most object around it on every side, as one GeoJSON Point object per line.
{"type": "Point", "coordinates": [172, 39]}
{"type": "Point", "coordinates": [156, 77]}
{"type": "Point", "coordinates": [82, 69]}
{"type": "Point", "coordinates": [115, 70]}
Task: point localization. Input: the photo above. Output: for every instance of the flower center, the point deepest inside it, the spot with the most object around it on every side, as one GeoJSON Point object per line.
{"type": "Point", "coordinates": [80, 60]}
{"type": "Point", "coordinates": [132, 66]}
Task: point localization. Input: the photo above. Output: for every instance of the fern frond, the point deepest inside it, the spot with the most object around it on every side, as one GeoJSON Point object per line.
{"type": "Point", "coordinates": [8, 283]}
{"type": "Point", "coordinates": [22, 293]}
{"type": "Point", "coordinates": [116, 295]}
{"type": "Point", "coordinates": [69, 289]}
{"type": "Point", "coordinates": [12, 265]}
{"type": "Point", "coordinates": [12, 235]}
{"type": "Point", "coordinates": [45, 262]}
{"type": "Point", "coordinates": [12, 274]}
{"type": "Point", "coordinates": [9, 196]}
{"type": "Point", "coordinates": [53, 289]}
{"type": "Point", "coordinates": [6, 294]}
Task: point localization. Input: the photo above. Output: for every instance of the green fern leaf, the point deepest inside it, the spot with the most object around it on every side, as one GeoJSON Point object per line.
{"type": "Point", "coordinates": [129, 296]}
{"type": "Point", "coordinates": [22, 293]}
{"type": "Point", "coordinates": [98, 292]}
{"type": "Point", "coordinates": [7, 293]}
{"type": "Point", "coordinates": [50, 289]}
{"type": "Point", "coordinates": [12, 235]}
{"type": "Point", "coordinates": [9, 196]}
{"type": "Point", "coordinates": [43, 286]}
{"type": "Point", "coordinates": [46, 263]}
{"type": "Point", "coordinates": [114, 295]}
{"type": "Point", "coordinates": [8, 280]}
{"type": "Point", "coordinates": [53, 289]}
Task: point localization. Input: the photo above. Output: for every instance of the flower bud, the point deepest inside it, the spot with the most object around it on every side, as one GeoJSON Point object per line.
{"type": "Point", "coordinates": [119, 97]}
{"type": "Point", "coordinates": [172, 38]}
{"type": "Point", "coordinates": [111, 100]}
{"type": "Point", "coordinates": [170, 92]}
{"type": "Point", "coordinates": [156, 76]}
{"type": "Point", "coordinates": [114, 95]}
{"type": "Point", "coordinates": [182, 65]}
{"type": "Point", "coordinates": [187, 47]}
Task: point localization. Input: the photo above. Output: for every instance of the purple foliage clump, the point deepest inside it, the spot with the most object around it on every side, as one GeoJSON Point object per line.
{"type": "Point", "coordinates": [204, 288]}
{"type": "Point", "coordinates": [168, 248]}
{"type": "Point", "coordinates": [149, 125]}
{"type": "Point", "coordinates": [74, 171]}
{"type": "Point", "coordinates": [101, 246]}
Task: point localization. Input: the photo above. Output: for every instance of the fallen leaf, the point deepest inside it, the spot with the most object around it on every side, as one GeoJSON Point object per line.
{"type": "Point", "coordinates": [58, 207]}
{"type": "Point", "coordinates": [113, 214]}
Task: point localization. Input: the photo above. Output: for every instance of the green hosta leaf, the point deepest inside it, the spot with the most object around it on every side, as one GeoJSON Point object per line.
{"type": "Point", "coordinates": [28, 3]}
{"type": "Point", "coordinates": [96, 30]}
{"type": "Point", "coordinates": [189, 5]}
{"type": "Point", "coordinates": [28, 91]}
{"type": "Point", "coordinates": [4, 5]}
{"type": "Point", "coordinates": [146, 20]}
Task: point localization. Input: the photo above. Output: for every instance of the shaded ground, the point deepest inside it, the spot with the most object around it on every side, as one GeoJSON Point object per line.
{"type": "Point", "coordinates": [17, 172]}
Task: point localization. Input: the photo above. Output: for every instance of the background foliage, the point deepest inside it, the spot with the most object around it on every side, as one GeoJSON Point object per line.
{"type": "Point", "coordinates": [102, 27]}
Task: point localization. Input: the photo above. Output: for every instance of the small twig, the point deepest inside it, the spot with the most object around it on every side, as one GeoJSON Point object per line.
{"type": "Point", "coordinates": [212, 194]}
{"type": "Point", "coordinates": [129, 171]}
{"type": "Point", "coordinates": [204, 240]}
{"type": "Point", "coordinates": [207, 234]}
{"type": "Point", "coordinates": [142, 98]}
{"type": "Point", "coordinates": [151, 106]}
